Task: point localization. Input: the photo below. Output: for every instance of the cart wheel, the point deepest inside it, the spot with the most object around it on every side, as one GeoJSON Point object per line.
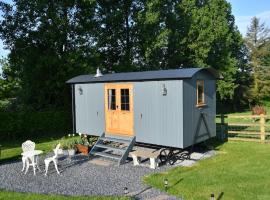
{"type": "Point", "coordinates": [173, 158]}
{"type": "Point", "coordinates": [163, 156]}
{"type": "Point", "coordinates": [185, 156]}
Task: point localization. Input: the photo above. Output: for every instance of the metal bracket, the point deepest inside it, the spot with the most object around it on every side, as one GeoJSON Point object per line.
{"type": "Point", "coordinates": [197, 136]}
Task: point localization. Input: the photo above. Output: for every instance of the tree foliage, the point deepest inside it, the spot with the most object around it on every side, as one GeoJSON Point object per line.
{"type": "Point", "coordinates": [51, 41]}
{"type": "Point", "coordinates": [258, 43]}
{"type": "Point", "coordinates": [9, 85]}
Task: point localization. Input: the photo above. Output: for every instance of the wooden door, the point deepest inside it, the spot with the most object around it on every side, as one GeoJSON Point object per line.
{"type": "Point", "coordinates": [126, 108]}
{"type": "Point", "coordinates": [119, 109]}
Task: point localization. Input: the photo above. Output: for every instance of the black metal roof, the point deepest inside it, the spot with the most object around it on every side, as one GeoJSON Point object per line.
{"type": "Point", "coordinates": [144, 76]}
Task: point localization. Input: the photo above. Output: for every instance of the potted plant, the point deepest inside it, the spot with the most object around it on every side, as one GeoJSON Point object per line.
{"type": "Point", "coordinates": [83, 145]}
{"type": "Point", "coordinates": [70, 147]}
{"type": "Point", "coordinates": [82, 148]}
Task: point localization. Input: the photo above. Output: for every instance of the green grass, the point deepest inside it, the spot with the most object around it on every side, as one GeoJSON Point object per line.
{"type": "Point", "coordinates": [248, 121]}
{"type": "Point", "coordinates": [266, 105]}
{"type": "Point", "coordinates": [6, 195]}
{"type": "Point", "coordinates": [12, 150]}
{"type": "Point", "coordinates": [239, 171]}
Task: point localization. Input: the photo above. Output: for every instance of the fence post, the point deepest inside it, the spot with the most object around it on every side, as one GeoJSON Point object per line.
{"type": "Point", "coordinates": [262, 127]}
{"type": "Point", "coordinates": [223, 128]}
{"type": "Point", "coordinates": [222, 120]}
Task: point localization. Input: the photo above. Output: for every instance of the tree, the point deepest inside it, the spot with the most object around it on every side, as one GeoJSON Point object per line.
{"type": "Point", "coordinates": [49, 43]}
{"type": "Point", "coordinates": [115, 35]}
{"type": "Point", "coordinates": [161, 35]}
{"type": "Point", "coordinates": [192, 33]}
{"type": "Point", "coordinates": [214, 41]}
{"type": "Point", "coordinates": [257, 41]}
{"type": "Point", "coordinates": [9, 84]}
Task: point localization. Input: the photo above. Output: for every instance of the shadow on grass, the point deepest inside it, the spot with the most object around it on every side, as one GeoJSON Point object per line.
{"type": "Point", "coordinates": [220, 196]}
{"type": "Point", "coordinates": [12, 143]}
{"type": "Point", "coordinates": [176, 183]}
{"type": "Point", "coordinates": [14, 146]}
{"type": "Point", "coordinates": [211, 144]}
{"type": "Point", "coordinates": [9, 159]}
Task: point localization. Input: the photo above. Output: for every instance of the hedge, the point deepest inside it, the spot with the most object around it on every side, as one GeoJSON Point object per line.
{"type": "Point", "coordinates": [30, 124]}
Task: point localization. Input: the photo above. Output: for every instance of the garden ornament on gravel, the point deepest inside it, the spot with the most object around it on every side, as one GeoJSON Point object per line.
{"type": "Point", "coordinates": [27, 146]}
{"type": "Point", "coordinates": [53, 159]}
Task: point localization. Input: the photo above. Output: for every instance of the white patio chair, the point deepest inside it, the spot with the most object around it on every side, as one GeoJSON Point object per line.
{"type": "Point", "coordinates": [27, 146]}
{"type": "Point", "coordinates": [53, 159]}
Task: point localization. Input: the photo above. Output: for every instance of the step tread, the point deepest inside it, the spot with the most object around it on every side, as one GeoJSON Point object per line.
{"type": "Point", "coordinates": [110, 147]}
{"type": "Point", "coordinates": [107, 155]}
{"type": "Point", "coordinates": [115, 140]}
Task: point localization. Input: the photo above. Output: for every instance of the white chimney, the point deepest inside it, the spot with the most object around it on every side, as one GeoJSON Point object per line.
{"type": "Point", "coordinates": [98, 74]}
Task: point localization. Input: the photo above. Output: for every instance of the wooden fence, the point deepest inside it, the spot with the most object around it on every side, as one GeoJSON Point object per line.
{"type": "Point", "coordinates": [244, 127]}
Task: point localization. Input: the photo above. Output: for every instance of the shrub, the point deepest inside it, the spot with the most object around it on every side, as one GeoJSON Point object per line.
{"type": "Point", "coordinates": [25, 124]}
{"type": "Point", "coordinates": [258, 110]}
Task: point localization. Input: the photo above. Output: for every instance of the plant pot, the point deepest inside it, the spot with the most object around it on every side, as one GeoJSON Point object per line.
{"type": "Point", "coordinates": [60, 151]}
{"type": "Point", "coordinates": [71, 152]}
{"type": "Point", "coordinates": [82, 149]}
{"type": "Point", "coordinates": [65, 152]}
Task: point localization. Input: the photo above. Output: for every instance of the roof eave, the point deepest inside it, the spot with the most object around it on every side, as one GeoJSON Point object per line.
{"type": "Point", "coordinates": [115, 81]}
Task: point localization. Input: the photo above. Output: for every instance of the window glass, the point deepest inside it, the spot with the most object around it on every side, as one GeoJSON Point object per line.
{"type": "Point", "coordinates": [124, 99]}
{"type": "Point", "coordinates": [200, 92]}
{"type": "Point", "coordinates": [111, 99]}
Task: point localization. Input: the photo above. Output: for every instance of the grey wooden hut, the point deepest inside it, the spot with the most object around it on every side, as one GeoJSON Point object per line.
{"type": "Point", "coordinates": [173, 108]}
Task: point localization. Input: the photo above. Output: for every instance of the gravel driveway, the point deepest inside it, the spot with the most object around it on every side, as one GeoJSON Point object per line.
{"type": "Point", "coordinates": [82, 177]}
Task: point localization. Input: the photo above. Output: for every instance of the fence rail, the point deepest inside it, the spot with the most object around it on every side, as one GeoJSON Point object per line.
{"type": "Point", "coordinates": [244, 127]}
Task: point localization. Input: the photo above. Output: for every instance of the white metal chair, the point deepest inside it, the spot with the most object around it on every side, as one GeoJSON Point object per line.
{"type": "Point", "coordinates": [27, 146]}
{"type": "Point", "coordinates": [53, 159]}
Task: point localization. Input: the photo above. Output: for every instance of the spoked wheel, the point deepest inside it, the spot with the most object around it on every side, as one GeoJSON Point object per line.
{"type": "Point", "coordinates": [184, 156]}
{"type": "Point", "coordinates": [173, 159]}
{"type": "Point", "coordinates": [163, 156]}
{"type": "Point", "coordinates": [173, 156]}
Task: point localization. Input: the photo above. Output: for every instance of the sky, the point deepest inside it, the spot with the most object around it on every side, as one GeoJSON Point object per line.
{"type": "Point", "coordinates": [243, 10]}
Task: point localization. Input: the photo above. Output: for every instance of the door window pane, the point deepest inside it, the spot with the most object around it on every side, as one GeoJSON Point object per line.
{"type": "Point", "coordinates": [111, 99]}
{"type": "Point", "coordinates": [125, 99]}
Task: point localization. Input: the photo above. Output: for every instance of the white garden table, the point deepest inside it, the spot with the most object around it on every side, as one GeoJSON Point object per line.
{"type": "Point", "coordinates": [32, 156]}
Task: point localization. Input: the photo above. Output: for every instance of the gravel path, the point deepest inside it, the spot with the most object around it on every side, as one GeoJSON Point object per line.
{"type": "Point", "coordinates": [82, 177]}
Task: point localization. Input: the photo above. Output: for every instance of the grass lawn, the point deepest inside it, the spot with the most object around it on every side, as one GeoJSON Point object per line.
{"type": "Point", "coordinates": [13, 150]}
{"type": "Point", "coordinates": [246, 124]}
{"type": "Point", "coordinates": [266, 105]}
{"type": "Point", "coordinates": [5, 195]}
{"type": "Point", "coordinates": [239, 171]}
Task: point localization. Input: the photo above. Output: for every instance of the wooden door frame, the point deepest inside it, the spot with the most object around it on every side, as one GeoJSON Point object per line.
{"type": "Point", "coordinates": [118, 87]}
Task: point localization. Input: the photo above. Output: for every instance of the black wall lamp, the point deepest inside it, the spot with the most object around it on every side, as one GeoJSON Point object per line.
{"type": "Point", "coordinates": [80, 90]}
